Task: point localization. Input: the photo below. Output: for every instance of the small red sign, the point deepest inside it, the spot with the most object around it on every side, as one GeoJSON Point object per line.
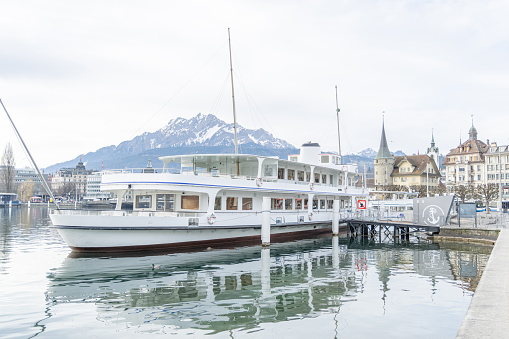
{"type": "Point", "coordinates": [361, 204]}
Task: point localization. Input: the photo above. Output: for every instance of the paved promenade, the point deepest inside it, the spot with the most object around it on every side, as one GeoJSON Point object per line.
{"type": "Point", "coordinates": [488, 314]}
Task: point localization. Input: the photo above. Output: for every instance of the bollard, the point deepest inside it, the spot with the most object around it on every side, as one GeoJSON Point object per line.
{"type": "Point", "coordinates": [335, 217]}
{"type": "Point", "coordinates": [266, 221]}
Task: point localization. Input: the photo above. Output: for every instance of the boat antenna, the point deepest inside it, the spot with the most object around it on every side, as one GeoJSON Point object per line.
{"type": "Point", "coordinates": [233, 95]}
{"type": "Point", "coordinates": [339, 138]}
{"type": "Point", "coordinates": [43, 181]}
{"type": "Point", "coordinates": [233, 101]}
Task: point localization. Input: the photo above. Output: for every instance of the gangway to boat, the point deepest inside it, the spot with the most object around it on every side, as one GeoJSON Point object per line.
{"type": "Point", "coordinates": [382, 229]}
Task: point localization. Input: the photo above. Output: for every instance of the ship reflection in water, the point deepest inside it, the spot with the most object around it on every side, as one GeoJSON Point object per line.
{"type": "Point", "coordinates": [247, 288]}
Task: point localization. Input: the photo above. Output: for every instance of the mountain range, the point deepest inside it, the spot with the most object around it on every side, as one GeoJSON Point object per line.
{"type": "Point", "coordinates": [204, 134]}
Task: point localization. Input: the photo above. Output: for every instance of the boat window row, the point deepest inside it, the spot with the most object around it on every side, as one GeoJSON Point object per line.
{"type": "Point", "coordinates": [166, 203]}
{"type": "Point", "coordinates": [302, 176]}
{"type": "Point", "coordinates": [232, 204]}
{"type": "Point", "coordinates": [299, 204]}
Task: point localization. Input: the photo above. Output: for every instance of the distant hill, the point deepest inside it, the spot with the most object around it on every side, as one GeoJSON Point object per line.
{"type": "Point", "coordinates": [205, 134]}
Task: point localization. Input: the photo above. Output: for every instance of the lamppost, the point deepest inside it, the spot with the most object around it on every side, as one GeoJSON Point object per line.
{"type": "Point", "coordinates": [427, 179]}
{"type": "Point", "coordinates": [500, 179]}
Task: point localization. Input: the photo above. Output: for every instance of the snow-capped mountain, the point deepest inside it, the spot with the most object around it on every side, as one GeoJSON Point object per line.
{"type": "Point", "coordinates": [204, 134]}
{"type": "Point", "coordinates": [200, 130]}
{"type": "Point", "coordinates": [368, 153]}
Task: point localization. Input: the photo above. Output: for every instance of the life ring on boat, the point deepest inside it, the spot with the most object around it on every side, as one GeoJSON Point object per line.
{"type": "Point", "coordinates": [259, 182]}
{"type": "Point", "coordinates": [312, 185]}
{"type": "Point", "coordinates": [211, 219]}
{"type": "Point", "coordinates": [310, 215]}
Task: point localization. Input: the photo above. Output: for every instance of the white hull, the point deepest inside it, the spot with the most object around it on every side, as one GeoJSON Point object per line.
{"type": "Point", "coordinates": [84, 234]}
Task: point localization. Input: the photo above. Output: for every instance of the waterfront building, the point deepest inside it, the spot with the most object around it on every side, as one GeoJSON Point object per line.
{"type": "Point", "coordinates": [497, 167]}
{"type": "Point", "coordinates": [71, 181]}
{"type": "Point", "coordinates": [93, 188]}
{"type": "Point", "coordinates": [408, 170]}
{"type": "Point", "coordinates": [384, 164]}
{"type": "Point", "coordinates": [464, 165]}
{"type": "Point", "coordinates": [416, 170]}
{"type": "Point", "coordinates": [29, 183]}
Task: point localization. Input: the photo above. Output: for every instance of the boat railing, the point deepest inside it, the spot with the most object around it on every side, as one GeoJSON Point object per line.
{"type": "Point", "coordinates": [124, 213]}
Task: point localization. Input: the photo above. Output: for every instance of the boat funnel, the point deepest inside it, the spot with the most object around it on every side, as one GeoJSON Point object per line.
{"type": "Point", "coordinates": [310, 153]}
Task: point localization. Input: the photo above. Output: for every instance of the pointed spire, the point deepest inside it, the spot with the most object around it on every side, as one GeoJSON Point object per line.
{"type": "Point", "coordinates": [383, 151]}
{"type": "Point", "coordinates": [432, 139]}
{"type": "Point", "coordinates": [472, 133]}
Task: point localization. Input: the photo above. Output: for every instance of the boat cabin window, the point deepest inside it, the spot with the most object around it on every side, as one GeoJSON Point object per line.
{"type": "Point", "coordinates": [217, 204]}
{"type": "Point", "coordinates": [291, 174]}
{"type": "Point", "coordinates": [315, 204]}
{"type": "Point", "coordinates": [288, 204]}
{"type": "Point", "coordinates": [232, 203]}
{"type": "Point", "coordinates": [143, 201]}
{"type": "Point", "coordinates": [331, 179]}
{"type": "Point", "coordinates": [325, 159]}
{"type": "Point", "coordinates": [165, 202]}
{"type": "Point", "coordinates": [298, 204]}
{"type": "Point", "coordinates": [305, 204]}
{"type": "Point", "coordinates": [276, 204]}
{"type": "Point", "coordinates": [190, 202]}
{"type": "Point", "coordinates": [340, 181]}
{"type": "Point", "coordinates": [280, 173]}
{"type": "Point", "coordinates": [268, 170]}
{"type": "Point", "coordinates": [322, 204]}
{"type": "Point", "coordinates": [300, 175]}
{"type": "Point", "coordinates": [247, 204]}
{"type": "Point", "coordinates": [308, 176]}
{"type": "Point", "coordinates": [317, 178]}
{"type": "Point", "coordinates": [330, 204]}
{"type": "Point", "coordinates": [324, 178]}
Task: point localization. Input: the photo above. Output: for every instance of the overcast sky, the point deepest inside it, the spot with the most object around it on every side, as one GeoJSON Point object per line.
{"type": "Point", "coordinates": [77, 76]}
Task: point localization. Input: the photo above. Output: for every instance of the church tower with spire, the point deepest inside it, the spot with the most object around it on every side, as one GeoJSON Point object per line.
{"type": "Point", "coordinates": [384, 164]}
{"type": "Point", "coordinates": [433, 150]}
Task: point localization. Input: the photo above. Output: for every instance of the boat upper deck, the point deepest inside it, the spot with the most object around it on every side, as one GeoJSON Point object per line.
{"type": "Point", "coordinates": [257, 169]}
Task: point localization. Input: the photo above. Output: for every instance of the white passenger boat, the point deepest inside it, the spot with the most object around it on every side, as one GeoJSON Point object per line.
{"type": "Point", "coordinates": [213, 199]}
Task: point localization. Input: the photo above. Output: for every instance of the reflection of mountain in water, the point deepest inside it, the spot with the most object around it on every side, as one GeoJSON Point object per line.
{"type": "Point", "coordinates": [226, 289]}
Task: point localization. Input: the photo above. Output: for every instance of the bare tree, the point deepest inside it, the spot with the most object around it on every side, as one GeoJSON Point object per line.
{"type": "Point", "coordinates": [67, 189]}
{"type": "Point", "coordinates": [421, 189]}
{"type": "Point", "coordinates": [463, 191]}
{"type": "Point", "coordinates": [8, 172]}
{"type": "Point", "coordinates": [488, 192]}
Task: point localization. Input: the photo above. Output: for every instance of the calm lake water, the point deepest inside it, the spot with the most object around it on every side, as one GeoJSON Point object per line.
{"type": "Point", "coordinates": [314, 288]}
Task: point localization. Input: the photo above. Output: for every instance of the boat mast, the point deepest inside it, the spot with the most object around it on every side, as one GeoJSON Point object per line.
{"type": "Point", "coordinates": [339, 138]}
{"type": "Point", "coordinates": [233, 101]}
{"type": "Point", "coordinates": [43, 181]}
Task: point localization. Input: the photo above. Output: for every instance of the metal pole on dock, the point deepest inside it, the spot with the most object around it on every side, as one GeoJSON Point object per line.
{"type": "Point", "coordinates": [335, 217]}
{"type": "Point", "coordinates": [266, 221]}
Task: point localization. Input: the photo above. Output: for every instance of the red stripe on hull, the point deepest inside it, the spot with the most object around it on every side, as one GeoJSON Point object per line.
{"type": "Point", "coordinates": [201, 245]}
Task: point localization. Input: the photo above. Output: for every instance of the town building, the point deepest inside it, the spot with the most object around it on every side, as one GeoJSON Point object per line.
{"type": "Point", "coordinates": [384, 164]}
{"type": "Point", "coordinates": [433, 151]}
{"type": "Point", "coordinates": [29, 183]}
{"type": "Point", "coordinates": [497, 167]}
{"type": "Point", "coordinates": [71, 181]}
{"type": "Point", "coordinates": [94, 188]}
{"type": "Point", "coordinates": [464, 165]}
{"type": "Point", "coordinates": [408, 170]}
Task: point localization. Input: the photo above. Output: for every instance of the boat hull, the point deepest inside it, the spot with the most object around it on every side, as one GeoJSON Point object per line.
{"type": "Point", "coordinates": [119, 238]}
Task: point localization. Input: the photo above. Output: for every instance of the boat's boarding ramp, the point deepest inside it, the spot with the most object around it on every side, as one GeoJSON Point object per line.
{"type": "Point", "coordinates": [426, 216]}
